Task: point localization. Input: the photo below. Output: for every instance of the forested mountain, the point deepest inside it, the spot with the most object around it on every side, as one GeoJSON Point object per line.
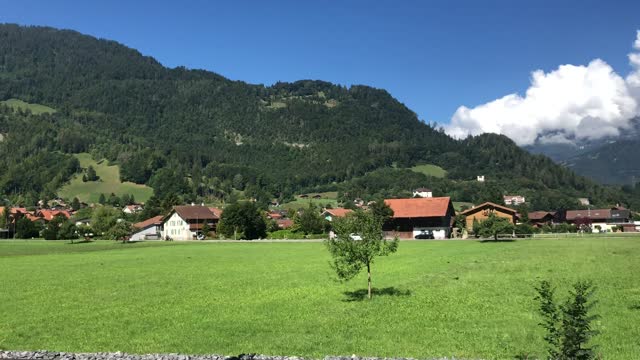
{"type": "Point", "coordinates": [193, 134]}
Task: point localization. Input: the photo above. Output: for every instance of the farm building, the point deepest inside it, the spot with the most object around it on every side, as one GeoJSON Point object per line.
{"type": "Point", "coordinates": [541, 218]}
{"type": "Point", "coordinates": [149, 229]}
{"type": "Point", "coordinates": [186, 222]}
{"type": "Point", "coordinates": [483, 211]}
{"type": "Point", "coordinates": [420, 218]}
{"type": "Point", "coordinates": [602, 219]}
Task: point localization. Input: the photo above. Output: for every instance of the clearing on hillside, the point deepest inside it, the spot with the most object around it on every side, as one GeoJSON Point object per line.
{"type": "Point", "coordinates": [36, 109]}
{"type": "Point", "coordinates": [326, 198]}
{"type": "Point", "coordinates": [430, 170]}
{"type": "Point", "coordinates": [109, 183]}
{"type": "Point", "coordinates": [462, 299]}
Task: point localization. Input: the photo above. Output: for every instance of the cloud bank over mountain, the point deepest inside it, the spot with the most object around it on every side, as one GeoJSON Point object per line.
{"type": "Point", "coordinates": [573, 102]}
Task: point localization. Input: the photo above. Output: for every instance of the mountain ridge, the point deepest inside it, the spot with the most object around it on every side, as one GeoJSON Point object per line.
{"type": "Point", "coordinates": [197, 134]}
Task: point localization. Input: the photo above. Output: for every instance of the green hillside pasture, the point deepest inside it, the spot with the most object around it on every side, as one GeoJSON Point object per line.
{"type": "Point", "coordinates": [440, 298]}
{"type": "Point", "coordinates": [457, 205]}
{"type": "Point", "coordinates": [36, 109]}
{"type": "Point", "coordinates": [325, 198]}
{"type": "Point", "coordinates": [109, 183]}
{"type": "Point", "coordinates": [430, 170]}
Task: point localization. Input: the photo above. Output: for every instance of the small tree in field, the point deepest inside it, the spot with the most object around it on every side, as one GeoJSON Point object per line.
{"type": "Point", "coordinates": [568, 325]}
{"type": "Point", "coordinates": [359, 239]}
{"type": "Point", "coordinates": [494, 226]}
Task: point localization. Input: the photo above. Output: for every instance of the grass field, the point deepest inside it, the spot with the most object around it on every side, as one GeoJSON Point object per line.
{"type": "Point", "coordinates": [439, 298]}
{"type": "Point", "coordinates": [109, 183]}
{"type": "Point", "coordinates": [34, 108]}
{"type": "Point", "coordinates": [430, 170]}
{"type": "Point", "coordinates": [325, 198]}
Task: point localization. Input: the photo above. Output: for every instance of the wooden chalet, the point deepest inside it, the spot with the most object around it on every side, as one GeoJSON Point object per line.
{"type": "Point", "coordinates": [483, 211]}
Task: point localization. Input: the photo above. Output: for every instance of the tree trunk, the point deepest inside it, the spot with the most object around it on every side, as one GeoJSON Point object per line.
{"type": "Point", "coordinates": [369, 279]}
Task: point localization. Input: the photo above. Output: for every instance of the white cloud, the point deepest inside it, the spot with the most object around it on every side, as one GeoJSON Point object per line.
{"type": "Point", "coordinates": [571, 102]}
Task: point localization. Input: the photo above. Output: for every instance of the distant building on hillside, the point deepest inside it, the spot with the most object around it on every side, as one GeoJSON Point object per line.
{"type": "Point", "coordinates": [422, 192]}
{"type": "Point", "coordinates": [584, 201]}
{"type": "Point", "coordinates": [514, 199]}
{"type": "Point", "coordinates": [480, 178]}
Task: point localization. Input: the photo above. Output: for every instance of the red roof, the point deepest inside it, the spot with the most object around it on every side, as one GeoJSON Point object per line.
{"type": "Point", "coordinates": [589, 214]}
{"type": "Point", "coordinates": [48, 215]}
{"type": "Point", "coordinates": [338, 212]}
{"type": "Point", "coordinates": [156, 220]}
{"type": "Point", "coordinates": [419, 207]}
{"type": "Point", "coordinates": [274, 215]}
{"type": "Point", "coordinates": [284, 223]}
{"type": "Point", "coordinates": [195, 212]}
{"type": "Point", "coordinates": [216, 211]}
{"type": "Point", "coordinates": [539, 215]}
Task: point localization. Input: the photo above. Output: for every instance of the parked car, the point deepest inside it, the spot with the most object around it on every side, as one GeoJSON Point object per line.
{"type": "Point", "coordinates": [425, 234]}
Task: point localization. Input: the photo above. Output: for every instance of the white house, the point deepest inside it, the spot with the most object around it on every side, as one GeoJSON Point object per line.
{"type": "Point", "coordinates": [132, 209]}
{"type": "Point", "coordinates": [480, 178]}
{"type": "Point", "coordinates": [186, 222]}
{"type": "Point", "coordinates": [422, 192]}
{"type": "Point", "coordinates": [149, 229]}
{"type": "Point", "coordinates": [514, 199]}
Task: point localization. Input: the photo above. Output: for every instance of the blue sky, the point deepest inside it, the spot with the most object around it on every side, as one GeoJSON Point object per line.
{"type": "Point", "coordinates": [434, 56]}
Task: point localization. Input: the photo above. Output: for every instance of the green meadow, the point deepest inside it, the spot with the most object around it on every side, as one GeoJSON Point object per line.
{"type": "Point", "coordinates": [430, 170]}
{"type": "Point", "coordinates": [108, 183]}
{"type": "Point", "coordinates": [35, 109]}
{"type": "Point", "coordinates": [434, 298]}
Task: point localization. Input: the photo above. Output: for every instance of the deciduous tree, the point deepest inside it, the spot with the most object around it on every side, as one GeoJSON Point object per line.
{"type": "Point", "coordinates": [359, 240]}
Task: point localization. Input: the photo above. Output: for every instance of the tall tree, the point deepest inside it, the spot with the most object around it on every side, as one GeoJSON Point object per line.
{"type": "Point", "coordinates": [242, 220]}
{"type": "Point", "coordinates": [359, 240]}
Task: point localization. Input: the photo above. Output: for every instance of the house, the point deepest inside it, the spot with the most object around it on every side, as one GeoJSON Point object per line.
{"type": "Point", "coordinates": [330, 214]}
{"type": "Point", "coordinates": [186, 222]}
{"type": "Point", "coordinates": [480, 178]}
{"type": "Point", "coordinates": [483, 211]}
{"type": "Point", "coordinates": [284, 223]}
{"type": "Point", "coordinates": [150, 229]}
{"type": "Point", "coordinates": [274, 215]}
{"type": "Point", "coordinates": [48, 215]}
{"type": "Point", "coordinates": [317, 196]}
{"type": "Point", "coordinates": [132, 209]}
{"type": "Point", "coordinates": [417, 217]}
{"type": "Point", "coordinates": [600, 219]}
{"type": "Point", "coordinates": [513, 199]}
{"type": "Point", "coordinates": [303, 196]}
{"type": "Point", "coordinates": [584, 201]}
{"type": "Point", "coordinates": [422, 192]}
{"type": "Point", "coordinates": [541, 218]}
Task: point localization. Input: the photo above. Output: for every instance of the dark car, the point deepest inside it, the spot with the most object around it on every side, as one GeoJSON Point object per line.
{"type": "Point", "coordinates": [425, 234]}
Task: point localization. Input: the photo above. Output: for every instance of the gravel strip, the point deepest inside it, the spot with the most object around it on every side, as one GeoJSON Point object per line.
{"type": "Point", "coordinates": [52, 355]}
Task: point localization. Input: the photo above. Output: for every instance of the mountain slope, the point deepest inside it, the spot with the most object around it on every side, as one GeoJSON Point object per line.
{"type": "Point", "coordinates": [197, 134]}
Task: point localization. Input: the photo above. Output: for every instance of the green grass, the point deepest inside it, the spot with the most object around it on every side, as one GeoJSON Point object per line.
{"type": "Point", "coordinates": [441, 298]}
{"type": "Point", "coordinates": [325, 198]}
{"type": "Point", "coordinates": [109, 183]}
{"type": "Point", "coordinates": [430, 170]}
{"type": "Point", "coordinates": [457, 205]}
{"type": "Point", "coordinates": [36, 109]}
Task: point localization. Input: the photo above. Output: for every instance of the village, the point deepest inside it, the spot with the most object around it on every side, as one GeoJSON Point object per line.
{"type": "Point", "coordinates": [419, 218]}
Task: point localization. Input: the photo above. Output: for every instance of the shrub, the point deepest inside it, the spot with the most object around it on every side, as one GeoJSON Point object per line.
{"type": "Point", "coordinates": [568, 325]}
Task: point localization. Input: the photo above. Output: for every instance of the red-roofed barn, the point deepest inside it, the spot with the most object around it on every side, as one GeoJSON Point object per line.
{"type": "Point", "coordinates": [420, 218]}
